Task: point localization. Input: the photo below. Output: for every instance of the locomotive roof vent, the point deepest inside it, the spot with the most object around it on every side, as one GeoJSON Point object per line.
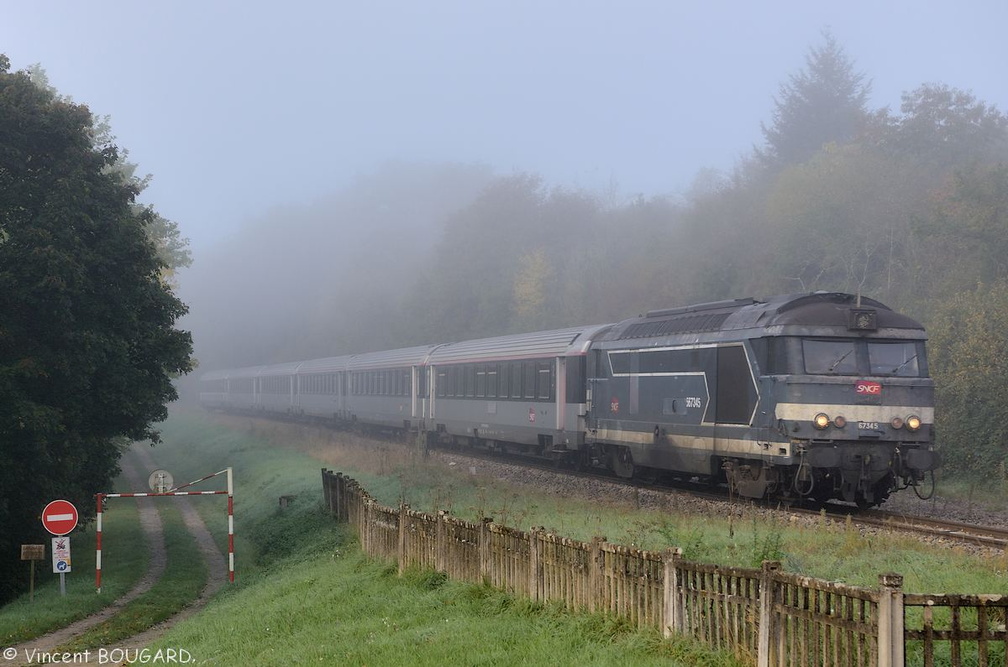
{"type": "Point", "coordinates": [713, 305]}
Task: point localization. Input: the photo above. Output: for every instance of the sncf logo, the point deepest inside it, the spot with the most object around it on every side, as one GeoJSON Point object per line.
{"type": "Point", "coordinates": [867, 388]}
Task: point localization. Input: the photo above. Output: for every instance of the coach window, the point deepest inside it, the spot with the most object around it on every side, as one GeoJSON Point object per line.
{"type": "Point", "coordinates": [492, 381]}
{"type": "Point", "coordinates": [481, 381]}
{"type": "Point", "coordinates": [503, 381]}
{"type": "Point", "coordinates": [544, 381]}
{"type": "Point", "coordinates": [530, 379]}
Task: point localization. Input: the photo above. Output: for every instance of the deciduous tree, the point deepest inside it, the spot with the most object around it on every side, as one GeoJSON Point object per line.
{"type": "Point", "coordinates": [88, 347]}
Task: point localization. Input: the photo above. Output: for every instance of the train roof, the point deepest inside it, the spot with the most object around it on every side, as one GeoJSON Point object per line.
{"type": "Point", "coordinates": [553, 343]}
{"type": "Point", "coordinates": [407, 356]}
{"type": "Point", "coordinates": [324, 365]}
{"type": "Point", "coordinates": [822, 310]}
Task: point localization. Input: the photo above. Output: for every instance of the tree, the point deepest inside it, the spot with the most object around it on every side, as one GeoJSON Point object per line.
{"type": "Point", "coordinates": [88, 347]}
{"type": "Point", "coordinates": [968, 352]}
{"type": "Point", "coordinates": [825, 103]}
{"type": "Point", "coordinates": [942, 127]}
{"type": "Point", "coordinates": [172, 247]}
{"type": "Point", "coordinates": [532, 281]}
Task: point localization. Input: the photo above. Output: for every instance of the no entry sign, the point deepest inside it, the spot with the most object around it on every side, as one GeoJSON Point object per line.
{"type": "Point", "coordinates": [59, 517]}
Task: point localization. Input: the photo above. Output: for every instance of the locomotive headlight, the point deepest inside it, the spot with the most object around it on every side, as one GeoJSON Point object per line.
{"type": "Point", "coordinates": [821, 421]}
{"type": "Point", "coordinates": [913, 423]}
{"type": "Point", "coordinates": [839, 421]}
{"type": "Point", "coordinates": [896, 423]}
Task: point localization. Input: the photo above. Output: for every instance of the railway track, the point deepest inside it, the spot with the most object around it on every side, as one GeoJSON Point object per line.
{"type": "Point", "coordinates": [981, 535]}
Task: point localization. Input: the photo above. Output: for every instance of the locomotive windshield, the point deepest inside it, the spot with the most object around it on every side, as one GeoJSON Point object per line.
{"type": "Point", "coordinates": [860, 357]}
{"type": "Point", "coordinates": [830, 357]}
{"type": "Point", "coordinates": [899, 358]}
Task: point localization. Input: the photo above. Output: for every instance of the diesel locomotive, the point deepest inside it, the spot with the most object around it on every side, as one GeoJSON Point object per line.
{"type": "Point", "coordinates": [822, 396]}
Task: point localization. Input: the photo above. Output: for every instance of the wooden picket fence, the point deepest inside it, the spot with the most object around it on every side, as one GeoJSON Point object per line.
{"type": "Point", "coordinates": [773, 617]}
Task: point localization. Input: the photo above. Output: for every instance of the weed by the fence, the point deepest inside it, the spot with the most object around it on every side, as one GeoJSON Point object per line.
{"type": "Point", "coordinates": [768, 546]}
{"type": "Point", "coordinates": [692, 540]}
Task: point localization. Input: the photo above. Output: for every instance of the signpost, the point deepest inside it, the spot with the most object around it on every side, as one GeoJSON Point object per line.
{"type": "Point", "coordinates": [32, 552]}
{"type": "Point", "coordinates": [60, 517]}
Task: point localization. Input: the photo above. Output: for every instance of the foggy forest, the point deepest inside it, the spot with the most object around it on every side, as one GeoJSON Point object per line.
{"type": "Point", "coordinates": [908, 206]}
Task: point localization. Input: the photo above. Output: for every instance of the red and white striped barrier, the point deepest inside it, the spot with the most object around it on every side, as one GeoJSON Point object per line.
{"type": "Point", "coordinates": [100, 497]}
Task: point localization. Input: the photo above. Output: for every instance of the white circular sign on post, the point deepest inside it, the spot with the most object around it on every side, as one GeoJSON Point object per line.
{"type": "Point", "coordinates": [59, 517]}
{"type": "Point", "coordinates": [160, 481]}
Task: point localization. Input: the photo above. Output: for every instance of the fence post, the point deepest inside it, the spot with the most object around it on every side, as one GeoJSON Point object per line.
{"type": "Point", "coordinates": [768, 628]}
{"type": "Point", "coordinates": [403, 510]}
{"type": "Point", "coordinates": [339, 498]}
{"type": "Point", "coordinates": [326, 490]}
{"type": "Point", "coordinates": [672, 623]}
{"type": "Point", "coordinates": [595, 561]}
{"type": "Point", "coordinates": [535, 566]}
{"type": "Point", "coordinates": [890, 620]}
{"type": "Point", "coordinates": [484, 549]}
{"type": "Point", "coordinates": [440, 542]}
{"type": "Point", "coordinates": [368, 523]}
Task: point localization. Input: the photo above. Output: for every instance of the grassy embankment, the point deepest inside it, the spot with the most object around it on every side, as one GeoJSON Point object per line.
{"type": "Point", "coordinates": [305, 593]}
{"type": "Point", "coordinates": [349, 609]}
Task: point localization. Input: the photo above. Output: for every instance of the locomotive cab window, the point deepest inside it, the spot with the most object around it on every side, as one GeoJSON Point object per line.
{"type": "Point", "coordinates": [830, 357]}
{"type": "Point", "coordinates": [898, 358]}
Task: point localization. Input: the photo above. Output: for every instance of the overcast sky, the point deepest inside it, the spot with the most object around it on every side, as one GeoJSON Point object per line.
{"type": "Point", "coordinates": [237, 107]}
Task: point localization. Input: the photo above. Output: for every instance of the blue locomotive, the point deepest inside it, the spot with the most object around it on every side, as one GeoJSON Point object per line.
{"type": "Point", "coordinates": [823, 396]}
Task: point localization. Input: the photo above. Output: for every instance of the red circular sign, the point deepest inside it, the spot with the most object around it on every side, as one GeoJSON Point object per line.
{"type": "Point", "coordinates": [59, 517]}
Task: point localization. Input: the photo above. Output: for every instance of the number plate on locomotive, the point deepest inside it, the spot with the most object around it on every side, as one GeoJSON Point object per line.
{"type": "Point", "coordinates": [868, 426]}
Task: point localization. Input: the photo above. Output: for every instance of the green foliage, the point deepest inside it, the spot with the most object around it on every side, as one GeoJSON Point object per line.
{"type": "Point", "coordinates": [767, 546]}
{"type": "Point", "coordinates": [969, 359]}
{"type": "Point", "coordinates": [87, 344]}
{"type": "Point", "coordinates": [942, 127]}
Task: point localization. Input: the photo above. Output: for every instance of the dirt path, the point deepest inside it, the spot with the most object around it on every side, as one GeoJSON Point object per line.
{"type": "Point", "coordinates": [139, 459]}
